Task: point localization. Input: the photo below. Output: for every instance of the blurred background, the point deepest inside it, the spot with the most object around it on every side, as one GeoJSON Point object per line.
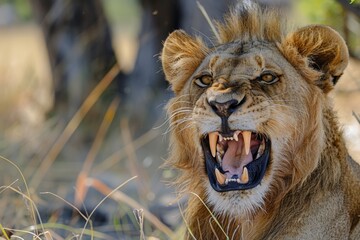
{"type": "Point", "coordinates": [83, 133]}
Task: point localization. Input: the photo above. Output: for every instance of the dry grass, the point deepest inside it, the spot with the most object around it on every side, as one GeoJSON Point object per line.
{"type": "Point", "coordinates": [37, 171]}
{"type": "Point", "coordinates": [84, 179]}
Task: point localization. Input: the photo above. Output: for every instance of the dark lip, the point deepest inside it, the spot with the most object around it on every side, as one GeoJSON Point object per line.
{"type": "Point", "coordinates": [256, 169]}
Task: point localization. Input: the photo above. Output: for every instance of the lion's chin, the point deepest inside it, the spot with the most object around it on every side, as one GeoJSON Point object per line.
{"type": "Point", "coordinates": [238, 204]}
{"type": "Point", "coordinates": [235, 161]}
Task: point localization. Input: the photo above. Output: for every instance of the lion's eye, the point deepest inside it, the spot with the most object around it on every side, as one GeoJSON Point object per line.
{"type": "Point", "coordinates": [268, 78]}
{"type": "Point", "coordinates": [203, 81]}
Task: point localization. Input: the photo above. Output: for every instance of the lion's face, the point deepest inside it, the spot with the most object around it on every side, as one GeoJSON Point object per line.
{"type": "Point", "coordinates": [243, 109]}
{"type": "Point", "coordinates": [243, 113]}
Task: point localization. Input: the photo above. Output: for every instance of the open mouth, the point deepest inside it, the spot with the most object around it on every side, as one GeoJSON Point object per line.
{"type": "Point", "coordinates": [237, 160]}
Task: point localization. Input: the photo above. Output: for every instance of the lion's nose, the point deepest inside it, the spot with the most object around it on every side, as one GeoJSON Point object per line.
{"type": "Point", "coordinates": [225, 109]}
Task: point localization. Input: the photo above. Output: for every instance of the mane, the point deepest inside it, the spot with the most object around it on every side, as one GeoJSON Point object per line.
{"type": "Point", "coordinates": [250, 21]}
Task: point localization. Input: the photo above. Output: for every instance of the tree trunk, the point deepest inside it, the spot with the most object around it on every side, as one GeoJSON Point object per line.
{"type": "Point", "coordinates": [79, 44]}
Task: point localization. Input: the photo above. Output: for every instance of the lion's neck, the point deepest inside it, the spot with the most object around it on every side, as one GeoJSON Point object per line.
{"type": "Point", "coordinates": [278, 213]}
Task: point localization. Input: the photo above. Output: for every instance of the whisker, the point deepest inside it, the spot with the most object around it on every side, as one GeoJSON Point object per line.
{"type": "Point", "coordinates": [173, 127]}
{"type": "Point", "coordinates": [178, 122]}
{"type": "Point", "coordinates": [189, 125]}
{"type": "Point", "coordinates": [180, 112]}
{"type": "Point", "coordinates": [173, 115]}
{"type": "Point", "coordinates": [206, 36]}
{"type": "Point", "coordinates": [289, 107]}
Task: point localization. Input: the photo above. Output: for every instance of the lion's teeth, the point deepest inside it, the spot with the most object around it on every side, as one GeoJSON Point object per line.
{"type": "Point", "coordinates": [247, 141]}
{"type": "Point", "coordinates": [218, 157]}
{"type": "Point", "coordinates": [244, 176]}
{"type": "Point", "coordinates": [236, 135]}
{"type": "Point", "coordinates": [258, 155]}
{"type": "Point", "coordinates": [261, 149]}
{"type": "Point", "coordinates": [221, 178]}
{"type": "Point", "coordinates": [220, 138]}
{"type": "Point", "coordinates": [220, 149]}
{"type": "Point", "coordinates": [213, 137]}
{"type": "Point", "coordinates": [227, 138]}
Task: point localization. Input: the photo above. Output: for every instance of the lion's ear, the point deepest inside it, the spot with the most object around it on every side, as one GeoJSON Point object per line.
{"type": "Point", "coordinates": [180, 57]}
{"type": "Point", "coordinates": [320, 48]}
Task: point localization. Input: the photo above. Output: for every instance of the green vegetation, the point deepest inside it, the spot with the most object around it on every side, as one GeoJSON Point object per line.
{"type": "Point", "coordinates": [327, 12]}
{"type": "Point", "coordinates": [22, 8]}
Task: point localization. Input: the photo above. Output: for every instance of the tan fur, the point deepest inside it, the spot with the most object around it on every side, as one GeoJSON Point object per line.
{"type": "Point", "coordinates": [311, 187]}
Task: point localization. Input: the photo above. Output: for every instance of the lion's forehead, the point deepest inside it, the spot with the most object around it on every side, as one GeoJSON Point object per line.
{"type": "Point", "coordinates": [247, 60]}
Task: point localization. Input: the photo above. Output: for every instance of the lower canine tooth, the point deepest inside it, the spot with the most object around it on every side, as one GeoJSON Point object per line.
{"type": "Point", "coordinates": [244, 176]}
{"type": "Point", "coordinates": [219, 176]}
{"type": "Point", "coordinates": [220, 149]}
{"type": "Point", "coordinates": [261, 149]}
{"type": "Point", "coordinates": [218, 157]}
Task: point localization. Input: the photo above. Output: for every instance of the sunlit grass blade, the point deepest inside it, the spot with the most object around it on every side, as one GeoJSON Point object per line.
{"type": "Point", "coordinates": [106, 197]}
{"type": "Point", "coordinates": [211, 214]}
{"type": "Point", "coordinates": [36, 211]}
{"type": "Point", "coordinates": [203, 11]}
{"type": "Point", "coordinates": [58, 226]}
{"type": "Point", "coordinates": [28, 196]}
{"type": "Point", "coordinates": [121, 154]}
{"type": "Point", "coordinates": [123, 198]}
{"type": "Point", "coordinates": [186, 224]}
{"type": "Point", "coordinates": [134, 167]}
{"type": "Point", "coordinates": [139, 216]}
{"type": "Point", "coordinates": [81, 188]}
{"type": "Point", "coordinates": [73, 125]}
{"type": "Point", "coordinates": [4, 233]}
{"type": "Point", "coordinates": [67, 202]}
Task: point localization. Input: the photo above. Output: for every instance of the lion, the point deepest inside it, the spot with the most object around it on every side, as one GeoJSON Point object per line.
{"type": "Point", "coordinates": [253, 130]}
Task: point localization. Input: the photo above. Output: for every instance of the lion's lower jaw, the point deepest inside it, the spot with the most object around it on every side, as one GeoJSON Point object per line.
{"type": "Point", "coordinates": [241, 205]}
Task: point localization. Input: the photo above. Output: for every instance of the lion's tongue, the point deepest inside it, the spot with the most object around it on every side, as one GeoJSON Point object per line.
{"type": "Point", "coordinates": [235, 158]}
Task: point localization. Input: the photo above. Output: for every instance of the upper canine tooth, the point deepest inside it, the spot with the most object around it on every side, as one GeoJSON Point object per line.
{"type": "Point", "coordinates": [221, 178]}
{"type": "Point", "coordinates": [244, 176]}
{"type": "Point", "coordinates": [213, 137]}
{"type": "Point", "coordinates": [247, 140]}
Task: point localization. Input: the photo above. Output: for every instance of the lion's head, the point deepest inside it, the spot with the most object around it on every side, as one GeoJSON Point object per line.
{"type": "Point", "coordinates": [247, 116]}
